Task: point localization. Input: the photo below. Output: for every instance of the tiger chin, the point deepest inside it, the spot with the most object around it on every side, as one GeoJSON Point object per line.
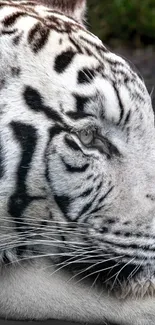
{"type": "Point", "coordinates": [77, 175]}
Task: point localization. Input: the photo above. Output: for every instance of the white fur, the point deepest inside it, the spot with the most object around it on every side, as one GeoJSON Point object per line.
{"type": "Point", "coordinates": [33, 289]}
{"type": "Point", "coordinates": [24, 292]}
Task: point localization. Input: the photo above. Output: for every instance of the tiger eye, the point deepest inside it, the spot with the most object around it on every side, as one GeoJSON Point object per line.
{"type": "Point", "coordinates": [86, 136]}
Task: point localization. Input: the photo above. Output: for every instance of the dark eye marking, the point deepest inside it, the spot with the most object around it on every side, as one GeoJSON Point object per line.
{"type": "Point", "coordinates": [77, 115]}
{"type": "Point", "coordinates": [112, 149]}
{"type": "Point", "coordinates": [72, 144]}
{"type": "Point", "coordinates": [103, 145]}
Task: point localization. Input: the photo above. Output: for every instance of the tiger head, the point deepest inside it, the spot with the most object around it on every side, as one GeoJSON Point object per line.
{"type": "Point", "coordinates": [77, 148]}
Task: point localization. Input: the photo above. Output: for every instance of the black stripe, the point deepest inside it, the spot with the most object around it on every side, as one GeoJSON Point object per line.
{"type": "Point", "coordinates": [19, 201]}
{"type": "Point", "coordinates": [63, 202]}
{"type": "Point", "coordinates": [38, 37]}
{"type": "Point", "coordinates": [89, 177]}
{"type": "Point", "coordinates": [63, 60]}
{"type": "Point", "coordinates": [105, 196]}
{"type": "Point", "coordinates": [80, 102]}
{"type": "Point", "coordinates": [85, 209]}
{"type": "Point", "coordinates": [99, 186]}
{"type": "Point", "coordinates": [87, 206]}
{"type": "Point", "coordinates": [145, 248]}
{"type": "Point", "coordinates": [100, 200]}
{"type": "Point", "coordinates": [1, 163]}
{"type": "Point", "coordinates": [119, 102]}
{"type": "Point", "coordinates": [20, 250]}
{"type": "Point", "coordinates": [10, 20]}
{"type": "Point", "coordinates": [86, 192]}
{"type": "Point", "coordinates": [77, 46]}
{"type": "Point", "coordinates": [127, 118]}
{"type": "Point", "coordinates": [27, 137]}
{"type": "Point", "coordinates": [112, 323]}
{"type": "Point", "coordinates": [5, 258]}
{"type": "Point", "coordinates": [16, 40]}
{"type": "Point", "coordinates": [85, 76]}
{"type": "Point", "coordinates": [78, 115]}
{"type": "Point", "coordinates": [34, 100]}
{"type": "Point", "coordinates": [117, 65]}
{"type": "Point", "coordinates": [96, 209]}
{"type": "Point", "coordinates": [73, 169]}
{"type": "Point", "coordinates": [55, 130]}
{"type": "Point", "coordinates": [9, 32]}
{"type": "Point", "coordinates": [100, 48]}
{"type": "Point", "coordinates": [72, 144]}
{"type": "Point", "coordinates": [15, 71]}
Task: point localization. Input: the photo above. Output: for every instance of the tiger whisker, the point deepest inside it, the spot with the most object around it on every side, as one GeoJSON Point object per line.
{"type": "Point", "coordinates": [71, 262]}
{"type": "Point", "coordinates": [93, 284]}
{"type": "Point", "coordinates": [103, 261]}
{"type": "Point", "coordinates": [43, 220]}
{"type": "Point", "coordinates": [135, 270]}
{"type": "Point", "coordinates": [88, 275]}
{"type": "Point", "coordinates": [117, 273]}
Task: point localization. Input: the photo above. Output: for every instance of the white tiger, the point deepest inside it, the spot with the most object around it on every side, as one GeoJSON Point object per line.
{"type": "Point", "coordinates": [77, 172]}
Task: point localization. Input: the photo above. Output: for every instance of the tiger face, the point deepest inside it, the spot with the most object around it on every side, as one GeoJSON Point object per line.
{"type": "Point", "coordinates": [100, 169]}
{"type": "Point", "coordinates": [77, 152]}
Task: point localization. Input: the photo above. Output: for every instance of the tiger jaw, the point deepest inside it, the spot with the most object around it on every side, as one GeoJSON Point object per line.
{"type": "Point", "coordinates": [123, 281]}
{"type": "Point", "coordinates": [120, 260]}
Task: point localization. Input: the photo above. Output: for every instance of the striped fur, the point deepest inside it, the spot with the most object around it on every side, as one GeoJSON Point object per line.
{"type": "Point", "coordinates": [77, 177]}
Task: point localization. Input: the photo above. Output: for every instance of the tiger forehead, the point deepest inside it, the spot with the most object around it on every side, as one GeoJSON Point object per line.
{"type": "Point", "coordinates": [49, 18]}
{"type": "Point", "coordinates": [78, 56]}
{"type": "Point", "coordinates": [80, 40]}
{"type": "Point", "coordinates": [110, 90]}
{"type": "Point", "coordinates": [40, 22]}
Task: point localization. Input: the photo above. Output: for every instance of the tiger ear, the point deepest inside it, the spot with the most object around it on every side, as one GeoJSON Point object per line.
{"type": "Point", "coordinates": [74, 8]}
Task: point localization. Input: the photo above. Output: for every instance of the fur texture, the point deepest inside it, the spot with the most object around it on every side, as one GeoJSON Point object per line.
{"type": "Point", "coordinates": [77, 177]}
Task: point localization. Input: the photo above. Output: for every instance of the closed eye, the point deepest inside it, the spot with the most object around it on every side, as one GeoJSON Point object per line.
{"type": "Point", "coordinates": [91, 139]}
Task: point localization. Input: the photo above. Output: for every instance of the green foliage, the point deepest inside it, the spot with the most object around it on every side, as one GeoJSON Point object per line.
{"type": "Point", "coordinates": [123, 20]}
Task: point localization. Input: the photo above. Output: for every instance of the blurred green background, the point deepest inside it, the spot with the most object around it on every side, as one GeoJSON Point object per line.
{"type": "Point", "coordinates": [123, 21]}
{"type": "Point", "coordinates": [127, 27]}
